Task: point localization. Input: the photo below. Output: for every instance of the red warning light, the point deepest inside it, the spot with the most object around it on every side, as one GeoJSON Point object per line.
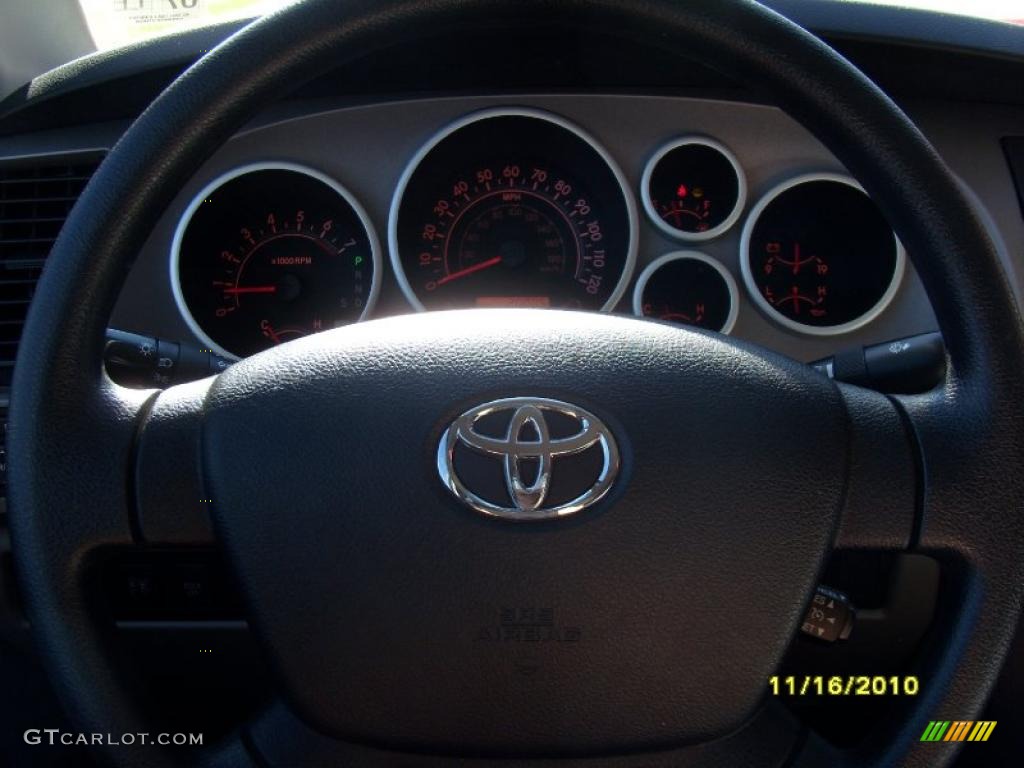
{"type": "Point", "coordinates": [682, 191]}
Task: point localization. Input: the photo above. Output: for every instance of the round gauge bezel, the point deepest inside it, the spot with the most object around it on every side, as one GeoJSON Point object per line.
{"type": "Point", "coordinates": [664, 226]}
{"type": "Point", "coordinates": [487, 114]}
{"type": "Point", "coordinates": [651, 269]}
{"type": "Point", "coordinates": [773, 314]}
{"type": "Point", "coordinates": [243, 170]}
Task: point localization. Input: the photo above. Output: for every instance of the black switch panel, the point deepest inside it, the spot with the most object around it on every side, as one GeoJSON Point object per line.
{"type": "Point", "coordinates": [169, 585]}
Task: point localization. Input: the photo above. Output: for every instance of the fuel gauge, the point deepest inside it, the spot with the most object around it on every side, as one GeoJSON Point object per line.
{"type": "Point", "coordinates": [688, 288]}
{"type": "Point", "coordinates": [693, 189]}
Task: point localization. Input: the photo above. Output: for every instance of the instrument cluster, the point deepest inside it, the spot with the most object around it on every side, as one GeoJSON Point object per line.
{"type": "Point", "coordinates": [519, 207]}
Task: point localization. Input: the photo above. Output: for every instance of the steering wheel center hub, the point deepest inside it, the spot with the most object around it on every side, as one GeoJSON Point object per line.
{"type": "Point", "coordinates": [702, 520]}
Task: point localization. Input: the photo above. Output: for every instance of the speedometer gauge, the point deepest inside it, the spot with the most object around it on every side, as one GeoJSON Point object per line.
{"type": "Point", "coordinates": [271, 252]}
{"type": "Point", "coordinates": [513, 208]}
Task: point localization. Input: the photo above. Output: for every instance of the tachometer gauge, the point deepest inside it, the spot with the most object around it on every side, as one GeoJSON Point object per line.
{"type": "Point", "coordinates": [818, 256]}
{"type": "Point", "coordinates": [687, 288]}
{"type": "Point", "coordinates": [693, 188]}
{"type": "Point", "coordinates": [271, 252]}
{"type": "Point", "coordinates": [513, 208]}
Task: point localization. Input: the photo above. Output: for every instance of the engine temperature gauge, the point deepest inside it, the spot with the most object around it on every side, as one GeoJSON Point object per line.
{"type": "Point", "coordinates": [693, 189]}
{"type": "Point", "coordinates": [688, 288]}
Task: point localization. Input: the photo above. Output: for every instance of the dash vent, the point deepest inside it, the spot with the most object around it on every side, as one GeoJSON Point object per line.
{"type": "Point", "coordinates": [36, 196]}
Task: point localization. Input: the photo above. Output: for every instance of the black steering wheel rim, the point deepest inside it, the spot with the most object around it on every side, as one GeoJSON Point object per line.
{"type": "Point", "coordinates": [73, 432]}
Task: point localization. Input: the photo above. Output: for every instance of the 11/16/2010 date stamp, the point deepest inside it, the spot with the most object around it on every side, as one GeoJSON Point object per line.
{"type": "Point", "coordinates": [844, 685]}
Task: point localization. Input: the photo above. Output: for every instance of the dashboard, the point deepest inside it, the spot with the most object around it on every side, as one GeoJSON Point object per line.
{"type": "Point", "coordinates": [721, 215]}
{"type": "Point", "coordinates": [520, 207]}
{"type": "Point", "coordinates": [394, 187]}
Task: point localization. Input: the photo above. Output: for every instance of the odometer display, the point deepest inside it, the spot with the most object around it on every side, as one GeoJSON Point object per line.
{"type": "Point", "coordinates": [271, 252]}
{"type": "Point", "coordinates": [512, 208]}
{"type": "Point", "coordinates": [819, 257]}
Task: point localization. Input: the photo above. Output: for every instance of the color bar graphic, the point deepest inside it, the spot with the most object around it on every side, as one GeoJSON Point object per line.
{"type": "Point", "coordinates": [958, 730]}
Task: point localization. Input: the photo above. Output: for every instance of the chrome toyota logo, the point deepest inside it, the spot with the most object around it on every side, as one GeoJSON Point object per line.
{"type": "Point", "coordinates": [531, 440]}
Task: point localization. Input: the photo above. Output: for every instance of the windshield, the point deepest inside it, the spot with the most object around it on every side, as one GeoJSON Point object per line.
{"type": "Point", "coordinates": [113, 23]}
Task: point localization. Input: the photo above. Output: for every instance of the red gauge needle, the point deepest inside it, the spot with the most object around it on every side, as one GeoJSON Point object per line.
{"type": "Point", "coordinates": [269, 332]}
{"type": "Point", "coordinates": [251, 289]}
{"type": "Point", "coordinates": [469, 270]}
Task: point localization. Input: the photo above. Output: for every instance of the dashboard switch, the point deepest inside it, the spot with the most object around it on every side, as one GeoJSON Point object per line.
{"type": "Point", "coordinates": [130, 350]}
{"type": "Point", "coordinates": [133, 360]}
{"type": "Point", "coordinates": [914, 364]}
{"type": "Point", "coordinates": [216, 364]}
{"type": "Point", "coordinates": [902, 366]}
{"type": "Point", "coordinates": [168, 359]}
{"type": "Point", "coordinates": [829, 616]}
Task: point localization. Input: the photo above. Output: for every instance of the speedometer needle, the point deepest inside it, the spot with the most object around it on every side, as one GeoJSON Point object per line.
{"type": "Point", "coordinates": [469, 270]}
{"type": "Point", "coordinates": [251, 289]}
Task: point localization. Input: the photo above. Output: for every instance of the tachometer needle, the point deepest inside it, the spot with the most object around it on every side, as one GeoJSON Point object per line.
{"type": "Point", "coordinates": [469, 270]}
{"type": "Point", "coordinates": [251, 289]}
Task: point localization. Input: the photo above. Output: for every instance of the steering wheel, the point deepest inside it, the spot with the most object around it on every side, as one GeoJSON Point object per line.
{"type": "Point", "coordinates": [367, 584]}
